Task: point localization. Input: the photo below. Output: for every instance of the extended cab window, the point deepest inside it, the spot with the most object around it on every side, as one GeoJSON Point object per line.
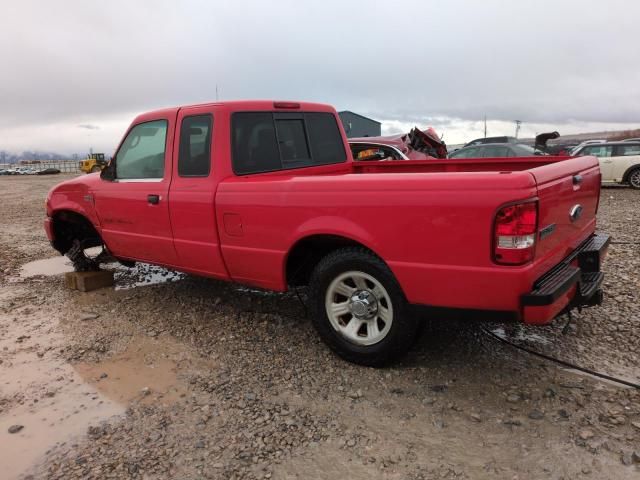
{"type": "Point", "coordinates": [268, 141]}
{"type": "Point", "coordinates": [142, 152]}
{"type": "Point", "coordinates": [195, 146]}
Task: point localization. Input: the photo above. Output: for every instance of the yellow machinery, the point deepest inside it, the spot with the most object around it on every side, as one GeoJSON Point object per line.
{"type": "Point", "coordinates": [94, 162]}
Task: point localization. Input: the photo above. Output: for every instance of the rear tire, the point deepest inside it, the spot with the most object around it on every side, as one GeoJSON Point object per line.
{"type": "Point", "coordinates": [359, 309]}
{"type": "Point", "coordinates": [634, 178]}
{"type": "Point", "coordinates": [95, 169]}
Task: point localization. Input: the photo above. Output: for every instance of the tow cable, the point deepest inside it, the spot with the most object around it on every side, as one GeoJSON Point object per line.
{"type": "Point", "coordinates": [560, 362]}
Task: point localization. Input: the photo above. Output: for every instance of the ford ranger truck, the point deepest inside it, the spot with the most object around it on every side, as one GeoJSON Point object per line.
{"type": "Point", "coordinates": [267, 194]}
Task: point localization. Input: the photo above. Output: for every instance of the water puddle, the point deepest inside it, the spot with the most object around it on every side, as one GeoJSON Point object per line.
{"type": "Point", "coordinates": [41, 393]}
{"type": "Point", "coordinates": [521, 335]}
{"type": "Point", "coordinates": [46, 267]}
{"type": "Point", "coordinates": [54, 402]}
{"type": "Point", "coordinates": [256, 291]}
{"type": "Point", "coordinates": [141, 275]}
{"type": "Point", "coordinates": [147, 371]}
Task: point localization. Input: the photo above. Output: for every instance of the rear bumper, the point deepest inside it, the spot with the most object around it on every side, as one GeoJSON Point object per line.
{"type": "Point", "coordinates": [573, 283]}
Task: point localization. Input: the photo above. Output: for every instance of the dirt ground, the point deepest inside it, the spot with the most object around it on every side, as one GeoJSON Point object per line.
{"type": "Point", "coordinates": [171, 376]}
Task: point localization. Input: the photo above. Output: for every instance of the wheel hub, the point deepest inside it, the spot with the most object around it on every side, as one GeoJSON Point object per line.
{"type": "Point", "coordinates": [363, 305]}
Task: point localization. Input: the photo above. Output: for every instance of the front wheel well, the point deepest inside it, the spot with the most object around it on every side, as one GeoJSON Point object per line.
{"type": "Point", "coordinates": [308, 252]}
{"type": "Point", "coordinates": [69, 226]}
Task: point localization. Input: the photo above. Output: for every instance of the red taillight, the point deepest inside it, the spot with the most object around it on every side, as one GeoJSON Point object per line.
{"type": "Point", "coordinates": [289, 105]}
{"type": "Point", "coordinates": [514, 232]}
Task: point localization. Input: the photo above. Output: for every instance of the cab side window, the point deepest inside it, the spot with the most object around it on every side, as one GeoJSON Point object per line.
{"type": "Point", "coordinates": [194, 159]}
{"type": "Point", "coordinates": [141, 155]}
{"type": "Point", "coordinates": [269, 141]}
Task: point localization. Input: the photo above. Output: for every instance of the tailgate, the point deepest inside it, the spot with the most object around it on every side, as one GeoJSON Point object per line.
{"type": "Point", "coordinates": [568, 193]}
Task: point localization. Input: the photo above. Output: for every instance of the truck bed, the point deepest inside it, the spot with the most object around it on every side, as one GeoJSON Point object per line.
{"type": "Point", "coordinates": [457, 165]}
{"type": "Point", "coordinates": [431, 221]}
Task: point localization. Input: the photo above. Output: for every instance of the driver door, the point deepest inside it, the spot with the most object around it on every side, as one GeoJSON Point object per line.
{"type": "Point", "coordinates": [133, 206]}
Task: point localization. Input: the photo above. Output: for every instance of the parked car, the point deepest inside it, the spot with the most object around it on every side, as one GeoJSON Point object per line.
{"type": "Point", "coordinates": [586, 142]}
{"type": "Point", "coordinates": [48, 171]}
{"type": "Point", "coordinates": [485, 140]}
{"type": "Point", "coordinates": [268, 195]}
{"type": "Point", "coordinates": [619, 161]}
{"type": "Point", "coordinates": [496, 150]}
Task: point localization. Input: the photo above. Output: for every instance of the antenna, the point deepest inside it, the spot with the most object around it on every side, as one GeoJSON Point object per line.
{"type": "Point", "coordinates": [216, 92]}
{"type": "Point", "coordinates": [485, 126]}
{"type": "Point", "coordinates": [518, 123]}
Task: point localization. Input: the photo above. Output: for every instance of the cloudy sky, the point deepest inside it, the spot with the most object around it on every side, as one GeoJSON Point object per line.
{"type": "Point", "coordinates": [73, 74]}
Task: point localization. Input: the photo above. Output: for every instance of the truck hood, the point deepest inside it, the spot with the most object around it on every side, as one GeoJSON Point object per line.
{"type": "Point", "coordinates": [80, 183]}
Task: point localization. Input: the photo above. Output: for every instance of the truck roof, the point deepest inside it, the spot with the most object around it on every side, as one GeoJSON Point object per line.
{"type": "Point", "coordinates": [246, 105]}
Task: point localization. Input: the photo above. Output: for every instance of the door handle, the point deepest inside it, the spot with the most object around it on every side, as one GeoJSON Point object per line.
{"type": "Point", "coordinates": [153, 199]}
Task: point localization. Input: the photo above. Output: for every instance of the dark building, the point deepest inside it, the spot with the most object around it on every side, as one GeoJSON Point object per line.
{"type": "Point", "coordinates": [359, 126]}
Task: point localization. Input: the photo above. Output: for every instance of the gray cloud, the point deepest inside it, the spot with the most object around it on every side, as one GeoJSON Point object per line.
{"type": "Point", "coordinates": [77, 62]}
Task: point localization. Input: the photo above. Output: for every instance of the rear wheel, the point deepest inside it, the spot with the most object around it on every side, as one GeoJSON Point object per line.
{"type": "Point", "coordinates": [634, 178]}
{"type": "Point", "coordinates": [359, 309]}
{"type": "Point", "coordinates": [95, 169]}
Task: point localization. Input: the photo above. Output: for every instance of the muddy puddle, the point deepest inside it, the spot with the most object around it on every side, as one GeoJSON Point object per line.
{"type": "Point", "coordinates": [141, 275]}
{"type": "Point", "coordinates": [46, 267]}
{"type": "Point", "coordinates": [41, 393]}
{"type": "Point", "coordinates": [53, 402]}
{"type": "Point", "coordinates": [519, 334]}
{"type": "Point", "coordinates": [147, 371]}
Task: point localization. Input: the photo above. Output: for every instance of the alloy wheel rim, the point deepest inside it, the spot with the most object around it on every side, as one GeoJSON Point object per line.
{"type": "Point", "coordinates": [359, 308]}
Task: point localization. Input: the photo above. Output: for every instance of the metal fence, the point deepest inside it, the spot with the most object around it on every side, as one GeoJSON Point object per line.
{"type": "Point", "coordinates": [65, 166]}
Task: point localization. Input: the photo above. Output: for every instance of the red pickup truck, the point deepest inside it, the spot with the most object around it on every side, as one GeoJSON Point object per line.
{"type": "Point", "coordinates": [267, 194]}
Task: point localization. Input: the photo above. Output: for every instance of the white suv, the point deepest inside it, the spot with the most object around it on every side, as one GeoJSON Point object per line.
{"type": "Point", "coordinates": [619, 161]}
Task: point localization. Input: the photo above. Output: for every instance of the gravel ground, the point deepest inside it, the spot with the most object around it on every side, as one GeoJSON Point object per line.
{"type": "Point", "coordinates": [172, 376]}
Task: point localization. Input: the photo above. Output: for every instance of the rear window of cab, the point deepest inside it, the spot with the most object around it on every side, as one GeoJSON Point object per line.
{"type": "Point", "coordinates": [271, 141]}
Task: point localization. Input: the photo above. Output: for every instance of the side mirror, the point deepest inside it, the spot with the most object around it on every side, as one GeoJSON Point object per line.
{"type": "Point", "coordinates": [108, 173]}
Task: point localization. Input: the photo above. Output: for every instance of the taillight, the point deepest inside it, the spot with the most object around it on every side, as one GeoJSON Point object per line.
{"type": "Point", "coordinates": [514, 232]}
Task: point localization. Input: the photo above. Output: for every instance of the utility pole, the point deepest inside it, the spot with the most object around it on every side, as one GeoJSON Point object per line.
{"type": "Point", "coordinates": [485, 126]}
{"type": "Point", "coordinates": [518, 123]}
